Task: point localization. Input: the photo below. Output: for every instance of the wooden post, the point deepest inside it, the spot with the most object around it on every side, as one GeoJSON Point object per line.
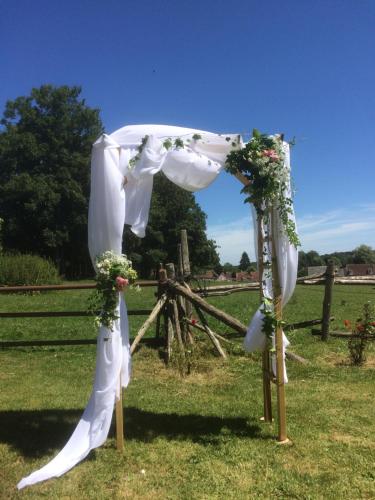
{"type": "Point", "coordinates": [159, 294]}
{"type": "Point", "coordinates": [177, 326]}
{"type": "Point", "coordinates": [155, 312]}
{"type": "Point", "coordinates": [119, 420]}
{"type": "Point", "coordinates": [170, 332]}
{"type": "Point", "coordinates": [171, 273]}
{"type": "Point", "coordinates": [329, 282]}
{"type": "Point", "coordinates": [277, 301]}
{"type": "Point", "coordinates": [211, 334]}
{"type": "Point", "coordinates": [227, 319]}
{"type": "Point", "coordinates": [184, 272]}
{"type": "Point", "coordinates": [185, 253]}
{"type": "Point", "coordinates": [266, 365]}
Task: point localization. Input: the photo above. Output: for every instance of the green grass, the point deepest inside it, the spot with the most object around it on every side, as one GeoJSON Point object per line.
{"type": "Point", "coordinates": [194, 437]}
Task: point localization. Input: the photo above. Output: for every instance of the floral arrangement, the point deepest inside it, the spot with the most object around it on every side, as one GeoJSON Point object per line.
{"type": "Point", "coordinates": [261, 161]}
{"type": "Point", "coordinates": [114, 274]}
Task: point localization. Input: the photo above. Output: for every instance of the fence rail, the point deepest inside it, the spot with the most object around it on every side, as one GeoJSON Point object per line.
{"type": "Point", "coordinates": [58, 314]}
{"type": "Point", "coordinates": [46, 288]}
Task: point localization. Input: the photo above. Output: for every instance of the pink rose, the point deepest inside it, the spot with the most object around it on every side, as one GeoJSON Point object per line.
{"type": "Point", "coordinates": [271, 153]}
{"type": "Point", "coordinates": [121, 283]}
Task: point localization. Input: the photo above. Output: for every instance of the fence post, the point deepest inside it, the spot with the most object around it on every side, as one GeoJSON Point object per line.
{"type": "Point", "coordinates": [327, 302]}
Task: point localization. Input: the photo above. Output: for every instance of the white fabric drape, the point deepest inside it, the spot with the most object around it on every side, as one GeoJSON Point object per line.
{"type": "Point", "coordinates": [287, 259]}
{"type": "Point", "coordinates": [113, 358]}
{"type": "Point", "coordinates": [113, 203]}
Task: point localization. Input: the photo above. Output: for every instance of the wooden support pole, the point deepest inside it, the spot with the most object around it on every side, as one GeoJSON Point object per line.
{"type": "Point", "coordinates": [119, 420]}
{"type": "Point", "coordinates": [199, 327]}
{"type": "Point", "coordinates": [227, 319]}
{"type": "Point", "coordinates": [159, 293]}
{"type": "Point", "coordinates": [183, 265]}
{"type": "Point", "coordinates": [210, 333]}
{"type": "Point", "coordinates": [185, 253]}
{"type": "Point", "coordinates": [177, 326]}
{"type": "Point", "coordinates": [266, 365]}
{"type": "Point", "coordinates": [171, 273]}
{"type": "Point", "coordinates": [305, 324]}
{"type": "Point", "coordinates": [181, 301]}
{"type": "Point", "coordinates": [158, 307]}
{"type": "Point", "coordinates": [330, 279]}
{"type": "Point", "coordinates": [277, 300]}
{"type": "Point", "coordinates": [170, 332]}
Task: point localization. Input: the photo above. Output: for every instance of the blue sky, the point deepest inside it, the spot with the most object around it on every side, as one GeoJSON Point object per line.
{"type": "Point", "coordinates": [299, 67]}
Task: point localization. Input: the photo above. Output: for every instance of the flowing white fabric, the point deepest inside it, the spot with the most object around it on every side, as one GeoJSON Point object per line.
{"type": "Point", "coordinates": [119, 195]}
{"type": "Point", "coordinates": [113, 203]}
{"type": "Point", "coordinates": [287, 258]}
{"type": "Point", "coordinates": [113, 358]}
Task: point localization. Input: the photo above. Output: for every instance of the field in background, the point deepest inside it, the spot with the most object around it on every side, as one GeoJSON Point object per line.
{"type": "Point", "coordinates": [197, 437]}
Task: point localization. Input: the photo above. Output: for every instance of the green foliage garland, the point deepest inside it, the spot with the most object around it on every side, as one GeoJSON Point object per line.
{"type": "Point", "coordinates": [261, 161]}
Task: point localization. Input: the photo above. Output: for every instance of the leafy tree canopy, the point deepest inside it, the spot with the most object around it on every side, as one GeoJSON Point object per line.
{"type": "Point", "coordinates": [364, 254]}
{"type": "Point", "coordinates": [45, 146]}
{"type": "Point", "coordinates": [172, 209]}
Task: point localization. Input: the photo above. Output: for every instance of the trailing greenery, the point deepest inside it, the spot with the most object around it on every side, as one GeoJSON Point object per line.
{"type": "Point", "coordinates": [17, 269]}
{"type": "Point", "coordinates": [261, 161]}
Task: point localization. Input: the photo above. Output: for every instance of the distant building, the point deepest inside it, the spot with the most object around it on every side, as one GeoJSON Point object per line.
{"type": "Point", "coordinates": [243, 276]}
{"type": "Point", "coordinates": [254, 276]}
{"type": "Point", "coordinates": [359, 269]}
{"type": "Point", "coordinates": [222, 277]}
{"type": "Point", "coordinates": [208, 275]}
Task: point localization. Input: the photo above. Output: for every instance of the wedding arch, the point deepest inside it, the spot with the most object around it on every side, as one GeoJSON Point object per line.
{"type": "Point", "coordinates": [122, 168]}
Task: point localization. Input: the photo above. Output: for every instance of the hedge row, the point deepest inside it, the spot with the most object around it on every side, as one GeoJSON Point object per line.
{"type": "Point", "coordinates": [17, 269]}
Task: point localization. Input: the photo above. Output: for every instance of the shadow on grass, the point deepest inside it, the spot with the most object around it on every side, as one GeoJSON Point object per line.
{"type": "Point", "coordinates": [37, 433]}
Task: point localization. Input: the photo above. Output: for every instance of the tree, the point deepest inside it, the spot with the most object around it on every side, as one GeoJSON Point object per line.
{"type": "Point", "coordinates": [45, 147]}
{"type": "Point", "coordinates": [314, 259]}
{"type": "Point", "coordinates": [244, 262]}
{"type": "Point", "coordinates": [364, 254]}
{"type": "Point", "coordinates": [172, 209]}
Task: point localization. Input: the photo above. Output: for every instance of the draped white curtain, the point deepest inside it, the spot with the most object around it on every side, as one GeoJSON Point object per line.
{"type": "Point", "coordinates": [113, 203]}
{"type": "Point", "coordinates": [287, 260]}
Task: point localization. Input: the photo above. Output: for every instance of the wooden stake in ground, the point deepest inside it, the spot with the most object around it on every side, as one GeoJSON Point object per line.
{"type": "Point", "coordinates": [156, 310]}
{"type": "Point", "coordinates": [184, 274]}
{"type": "Point", "coordinates": [266, 365]}
{"type": "Point", "coordinates": [119, 420]}
{"type": "Point", "coordinates": [330, 279]}
{"type": "Point", "coordinates": [185, 253]}
{"type": "Point", "coordinates": [277, 300]}
{"type": "Point", "coordinates": [227, 319]}
{"type": "Point", "coordinates": [211, 334]}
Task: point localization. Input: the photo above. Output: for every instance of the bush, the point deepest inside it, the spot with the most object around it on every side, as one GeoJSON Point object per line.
{"type": "Point", "coordinates": [20, 269]}
{"type": "Point", "coordinates": [363, 332]}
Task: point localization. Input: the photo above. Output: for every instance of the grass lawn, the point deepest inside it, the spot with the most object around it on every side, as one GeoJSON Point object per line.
{"type": "Point", "coordinates": [197, 437]}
